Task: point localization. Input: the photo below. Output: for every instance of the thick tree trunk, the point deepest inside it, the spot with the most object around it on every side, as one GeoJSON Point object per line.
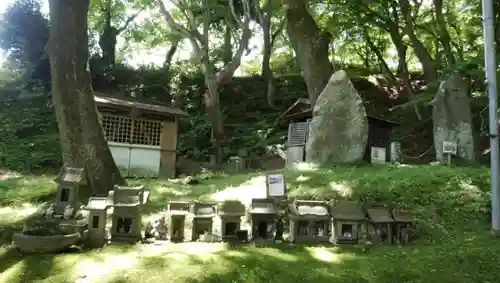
{"type": "Point", "coordinates": [82, 139]}
{"type": "Point", "coordinates": [311, 47]}
{"type": "Point", "coordinates": [108, 37]}
{"type": "Point", "coordinates": [421, 51]}
{"type": "Point", "coordinates": [212, 105]}
{"type": "Point", "coordinates": [444, 35]}
{"type": "Point", "coordinates": [107, 42]}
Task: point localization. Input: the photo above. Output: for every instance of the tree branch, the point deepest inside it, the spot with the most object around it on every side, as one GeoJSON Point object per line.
{"type": "Point", "coordinates": [128, 21]}
{"type": "Point", "coordinates": [277, 31]}
{"type": "Point", "coordinates": [194, 36]}
{"type": "Point", "coordinates": [227, 72]}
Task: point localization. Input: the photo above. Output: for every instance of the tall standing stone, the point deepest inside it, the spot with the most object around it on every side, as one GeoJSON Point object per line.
{"type": "Point", "coordinates": [338, 131]}
{"type": "Point", "coordinates": [453, 119]}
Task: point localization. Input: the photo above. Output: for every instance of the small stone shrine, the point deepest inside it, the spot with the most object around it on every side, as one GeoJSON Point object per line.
{"type": "Point", "coordinates": [381, 224]}
{"type": "Point", "coordinates": [348, 222]}
{"type": "Point", "coordinates": [69, 181]}
{"type": "Point", "coordinates": [230, 213]}
{"type": "Point", "coordinates": [127, 220]}
{"type": "Point", "coordinates": [203, 219]}
{"type": "Point", "coordinates": [309, 221]}
{"type": "Point", "coordinates": [97, 234]}
{"type": "Point", "coordinates": [403, 222]}
{"type": "Point", "coordinates": [177, 212]}
{"type": "Point", "coordinates": [263, 214]}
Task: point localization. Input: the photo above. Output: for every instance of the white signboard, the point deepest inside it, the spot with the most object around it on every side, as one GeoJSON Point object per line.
{"type": "Point", "coordinates": [395, 152]}
{"type": "Point", "coordinates": [449, 148]}
{"type": "Point", "coordinates": [378, 155]}
{"type": "Point", "coordinates": [275, 185]}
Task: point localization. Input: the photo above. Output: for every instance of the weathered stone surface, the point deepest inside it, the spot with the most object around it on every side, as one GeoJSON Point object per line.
{"type": "Point", "coordinates": [452, 118]}
{"type": "Point", "coordinates": [339, 128]}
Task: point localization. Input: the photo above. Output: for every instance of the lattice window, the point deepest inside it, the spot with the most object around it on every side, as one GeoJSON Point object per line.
{"type": "Point", "coordinates": [126, 130]}
{"type": "Point", "coordinates": [297, 133]}
{"type": "Point", "coordinates": [117, 128]}
{"type": "Point", "coordinates": [147, 132]}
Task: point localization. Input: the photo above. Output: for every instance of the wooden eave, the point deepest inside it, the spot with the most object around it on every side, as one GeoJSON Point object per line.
{"type": "Point", "coordinates": [302, 109]}
{"type": "Point", "coordinates": [104, 102]}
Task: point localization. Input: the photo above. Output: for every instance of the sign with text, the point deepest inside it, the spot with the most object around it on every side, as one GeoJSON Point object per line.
{"type": "Point", "coordinates": [378, 155]}
{"type": "Point", "coordinates": [449, 147]}
{"type": "Point", "coordinates": [275, 184]}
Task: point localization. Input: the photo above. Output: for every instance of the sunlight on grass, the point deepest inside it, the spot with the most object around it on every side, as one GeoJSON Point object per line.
{"type": "Point", "coordinates": [277, 254]}
{"type": "Point", "coordinates": [253, 188]}
{"type": "Point", "coordinates": [472, 191]}
{"type": "Point", "coordinates": [327, 255]}
{"type": "Point", "coordinates": [305, 167]}
{"type": "Point", "coordinates": [302, 178]}
{"type": "Point", "coordinates": [12, 274]}
{"type": "Point", "coordinates": [100, 266]}
{"type": "Point", "coordinates": [343, 189]}
{"type": "Point", "coordinates": [11, 214]}
{"type": "Point", "coordinates": [108, 263]}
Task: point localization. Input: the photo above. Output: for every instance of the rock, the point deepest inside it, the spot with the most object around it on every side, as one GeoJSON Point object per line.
{"type": "Point", "coordinates": [452, 118]}
{"type": "Point", "coordinates": [338, 131]}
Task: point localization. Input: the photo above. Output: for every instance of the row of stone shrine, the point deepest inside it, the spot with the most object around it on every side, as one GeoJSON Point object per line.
{"type": "Point", "coordinates": [264, 220]}
{"type": "Point", "coordinates": [306, 221]}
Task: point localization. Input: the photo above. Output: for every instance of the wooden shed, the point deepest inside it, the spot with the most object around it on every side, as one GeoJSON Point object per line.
{"type": "Point", "coordinates": [299, 116]}
{"type": "Point", "coordinates": [142, 136]}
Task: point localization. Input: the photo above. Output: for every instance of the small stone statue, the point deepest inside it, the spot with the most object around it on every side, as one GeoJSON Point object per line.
{"type": "Point", "coordinates": [160, 229]}
{"type": "Point", "coordinates": [68, 212]}
{"type": "Point", "coordinates": [157, 229]}
{"type": "Point", "coordinates": [279, 229]}
{"type": "Point", "coordinates": [49, 213]}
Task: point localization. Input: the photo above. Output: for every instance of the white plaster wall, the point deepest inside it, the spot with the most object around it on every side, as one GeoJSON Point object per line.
{"type": "Point", "coordinates": [136, 160]}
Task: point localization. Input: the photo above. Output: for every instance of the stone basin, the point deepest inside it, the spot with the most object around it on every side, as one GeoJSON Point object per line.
{"type": "Point", "coordinates": [44, 244]}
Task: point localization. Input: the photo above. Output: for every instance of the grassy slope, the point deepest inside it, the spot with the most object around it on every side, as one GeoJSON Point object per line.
{"type": "Point", "coordinates": [451, 206]}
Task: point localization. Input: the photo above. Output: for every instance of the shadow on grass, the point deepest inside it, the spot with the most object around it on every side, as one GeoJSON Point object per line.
{"type": "Point", "coordinates": [467, 262]}
{"type": "Point", "coordinates": [16, 267]}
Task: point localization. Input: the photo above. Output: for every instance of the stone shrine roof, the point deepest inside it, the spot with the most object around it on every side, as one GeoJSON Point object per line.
{"type": "Point", "coordinates": [309, 209]}
{"type": "Point", "coordinates": [129, 196]}
{"type": "Point", "coordinates": [263, 206]}
{"type": "Point", "coordinates": [178, 208]}
{"type": "Point", "coordinates": [98, 203]}
{"type": "Point", "coordinates": [206, 210]}
{"type": "Point", "coordinates": [231, 208]}
{"type": "Point", "coordinates": [379, 215]}
{"type": "Point", "coordinates": [71, 175]}
{"type": "Point", "coordinates": [347, 210]}
{"type": "Point", "coordinates": [402, 215]}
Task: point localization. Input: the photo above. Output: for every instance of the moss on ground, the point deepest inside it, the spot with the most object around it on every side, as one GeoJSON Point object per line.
{"type": "Point", "coordinates": [452, 207]}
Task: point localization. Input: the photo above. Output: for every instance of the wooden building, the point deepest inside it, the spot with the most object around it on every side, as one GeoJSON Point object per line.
{"type": "Point", "coordinates": [142, 137]}
{"type": "Point", "coordinates": [299, 115]}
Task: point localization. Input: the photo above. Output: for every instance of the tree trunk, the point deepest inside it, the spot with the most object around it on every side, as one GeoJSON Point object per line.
{"type": "Point", "coordinates": [311, 48]}
{"type": "Point", "coordinates": [82, 139]}
{"type": "Point", "coordinates": [421, 51]}
{"type": "Point", "coordinates": [215, 116]}
{"type": "Point", "coordinates": [107, 42]}
{"type": "Point", "coordinates": [227, 55]}
{"type": "Point", "coordinates": [107, 39]}
{"type": "Point", "coordinates": [265, 23]}
{"type": "Point", "coordinates": [444, 35]}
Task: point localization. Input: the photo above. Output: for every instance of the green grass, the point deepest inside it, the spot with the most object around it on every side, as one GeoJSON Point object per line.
{"type": "Point", "coordinates": [451, 205]}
